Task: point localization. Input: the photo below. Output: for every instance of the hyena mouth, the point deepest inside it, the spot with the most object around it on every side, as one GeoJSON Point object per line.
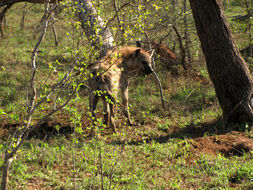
{"type": "Point", "coordinates": [147, 70]}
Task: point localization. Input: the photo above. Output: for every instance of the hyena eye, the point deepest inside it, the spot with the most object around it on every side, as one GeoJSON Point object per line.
{"type": "Point", "coordinates": [144, 62]}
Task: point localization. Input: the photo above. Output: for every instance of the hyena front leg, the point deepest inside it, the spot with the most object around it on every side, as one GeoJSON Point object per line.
{"type": "Point", "coordinates": [125, 104]}
{"type": "Point", "coordinates": [93, 99]}
{"type": "Point", "coordinates": [93, 104]}
{"type": "Point", "coordinates": [106, 113]}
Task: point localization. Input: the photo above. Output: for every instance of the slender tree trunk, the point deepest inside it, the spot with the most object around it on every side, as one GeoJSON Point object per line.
{"type": "Point", "coordinates": [5, 174]}
{"type": "Point", "coordinates": [226, 67]}
{"type": "Point", "coordinates": [251, 41]}
{"type": "Point", "coordinates": [248, 4]}
{"type": "Point", "coordinates": [2, 16]}
{"type": "Point", "coordinates": [249, 9]}
{"type": "Point", "coordinates": [174, 22]}
{"type": "Point", "coordinates": [22, 22]}
{"type": "Point", "coordinates": [23, 133]}
{"type": "Point", "coordinates": [122, 27]}
{"type": "Point", "coordinates": [186, 33]}
{"type": "Point", "coordinates": [56, 41]}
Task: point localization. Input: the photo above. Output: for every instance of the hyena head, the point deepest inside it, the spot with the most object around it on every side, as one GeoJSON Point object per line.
{"type": "Point", "coordinates": [139, 60]}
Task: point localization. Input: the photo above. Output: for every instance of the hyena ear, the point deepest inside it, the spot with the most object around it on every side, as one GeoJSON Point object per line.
{"type": "Point", "coordinates": [137, 52]}
{"type": "Point", "coordinates": [138, 43]}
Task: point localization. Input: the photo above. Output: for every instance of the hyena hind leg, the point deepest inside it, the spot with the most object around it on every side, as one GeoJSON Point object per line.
{"type": "Point", "coordinates": [112, 120]}
{"type": "Point", "coordinates": [125, 105]}
{"type": "Point", "coordinates": [109, 114]}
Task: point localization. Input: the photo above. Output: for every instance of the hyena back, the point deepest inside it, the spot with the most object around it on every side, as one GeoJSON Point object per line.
{"type": "Point", "coordinates": [110, 75]}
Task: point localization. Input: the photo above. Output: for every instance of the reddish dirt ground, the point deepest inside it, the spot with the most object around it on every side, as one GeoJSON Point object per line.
{"type": "Point", "coordinates": [226, 142]}
{"type": "Point", "coordinates": [234, 143]}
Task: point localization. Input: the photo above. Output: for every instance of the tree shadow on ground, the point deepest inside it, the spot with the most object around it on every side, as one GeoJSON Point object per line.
{"type": "Point", "coordinates": [209, 138]}
{"type": "Point", "coordinates": [44, 132]}
{"type": "Point", "coordinates": [192, 131]}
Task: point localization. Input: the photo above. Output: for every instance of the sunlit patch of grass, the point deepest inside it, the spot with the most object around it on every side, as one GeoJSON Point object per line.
{"type": "Point", "coordinates": [223, 171]}
{"type": "Point", "coordinates": [164, 126]}
{"type": "Point", "coordinates": [12, 87]}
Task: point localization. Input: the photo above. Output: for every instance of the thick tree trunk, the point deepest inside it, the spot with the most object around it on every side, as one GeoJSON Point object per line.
{"type": "Point", "coordinates": [226, 67]}
{"type": "Point", "coordinates": [94, 27]}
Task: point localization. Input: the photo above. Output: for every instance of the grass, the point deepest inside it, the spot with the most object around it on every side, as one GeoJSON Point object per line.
{"type": "Point", "coordinates": [182, 147]}
{"type": "Point", "coordinates": [150, 165]}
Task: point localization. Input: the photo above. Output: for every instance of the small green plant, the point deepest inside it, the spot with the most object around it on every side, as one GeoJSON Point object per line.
{"type": "Point", "coordinates": [164, 126]}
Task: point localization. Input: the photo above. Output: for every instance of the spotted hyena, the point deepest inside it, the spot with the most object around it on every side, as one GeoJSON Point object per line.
{"type": "Point", "coordinates": [110, 75]}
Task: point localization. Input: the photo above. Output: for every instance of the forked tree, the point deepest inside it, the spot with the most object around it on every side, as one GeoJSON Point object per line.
{"type": "Point", "coordinates": [84, 11]}
{"type": "Point", "coordinates": [5, 5]}
{"type": "Point", "coordinates": [227, 69]}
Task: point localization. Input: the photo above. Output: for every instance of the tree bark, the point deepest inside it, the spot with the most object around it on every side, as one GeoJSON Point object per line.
{"type": "Point", "coordinates": [186, 33]}
{"type": "Point", "coordinates": [226, 67]}
{"type": "Point", "coordinates": [9, 3]}
{"type": "Point", "coordinates": [6, 2]}
{"type": "Point", "coordinates": [2, 15]}
{"type": "Point", "coordinates": [21, 134]}
{"type": "Point", "coordinates": [5, 173]}
{"type": "Point", "coordinates": [93, 25]}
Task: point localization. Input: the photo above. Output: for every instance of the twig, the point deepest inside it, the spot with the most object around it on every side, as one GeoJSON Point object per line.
{"type": "Point", "coordinates": [23, 132]}
{"type": "Point", "coordinates": [160, 87]}
{"type": "Point", "coordinates": [101, 168]}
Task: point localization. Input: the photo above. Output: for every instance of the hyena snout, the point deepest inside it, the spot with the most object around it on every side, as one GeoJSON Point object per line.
{"type": "Point", "coordinates": [147, 69]}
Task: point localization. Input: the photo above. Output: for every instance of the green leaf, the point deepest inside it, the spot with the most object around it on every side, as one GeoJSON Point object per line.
{"type": "Point", "coordinates": [2, 112]}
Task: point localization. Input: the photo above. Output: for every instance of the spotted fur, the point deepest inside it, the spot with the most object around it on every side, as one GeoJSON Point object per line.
{"type": "Point", "coordinates": [110, 75]}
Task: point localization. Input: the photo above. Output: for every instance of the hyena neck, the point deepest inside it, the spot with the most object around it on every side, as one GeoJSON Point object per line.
{"type": "Point", "coordinates": [124, 66]}
{"type": "Point", "coordinates": [127, 55]}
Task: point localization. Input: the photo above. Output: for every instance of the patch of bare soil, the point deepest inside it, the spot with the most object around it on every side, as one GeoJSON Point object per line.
{"type": "Point", "coordinates": [227, 142]}
{"type": "Point", "coordinates": [6, 129]}
{"type": "Point", "coordinates": [234, 143]}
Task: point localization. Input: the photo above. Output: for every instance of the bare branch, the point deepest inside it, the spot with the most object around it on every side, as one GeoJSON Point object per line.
{"type": "Point", "coordinates": [23, 132]}
{"type": "Point", "coordinates": [2, 15]}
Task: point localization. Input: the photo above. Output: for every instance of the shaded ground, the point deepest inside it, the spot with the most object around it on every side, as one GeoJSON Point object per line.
{"type": "Point", "coordinates": [208, 138]}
